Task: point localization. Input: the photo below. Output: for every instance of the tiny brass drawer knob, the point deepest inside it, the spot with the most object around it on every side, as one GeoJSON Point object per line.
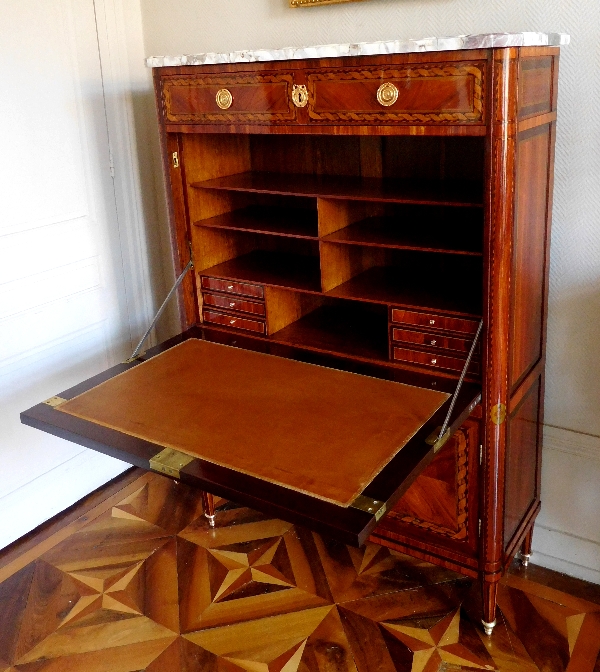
{"type": "Point", "coordinates": [229, 286]}
{"type": "Point", "coordinates": [433, 342]}
{"type": "Point", "coordinates": [434, 360]}
{"type": "Point", "coordinates": [224, 99]}
{"type": "Point", "coordinates": [431, 321]}
{"type": "Point", "coordinates": [299, 95]}
{"type": "Point", "coordinates": [387, 94]}
{"type": "Point", "coordinates": [232, 321]}
{"type": "Point", "coordinates": [232, 304]}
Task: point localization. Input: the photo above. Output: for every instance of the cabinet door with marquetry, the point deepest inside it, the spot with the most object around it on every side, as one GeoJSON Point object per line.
{"type": "Point", "coordinates": [441, 507]}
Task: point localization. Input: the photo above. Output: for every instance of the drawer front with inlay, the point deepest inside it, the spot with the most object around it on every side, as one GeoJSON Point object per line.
{"type": "Point", "coordinates": [234, 321]}
{"type": "Point", "coordinates": [432, 359]}
{"type": "Point", "coordinates": [222, 98]}
{"type": "Point", "coordinates": [234, 304]}
{"type": "Point", "coordinates": [445, 322]}
{"type": "Point", "coordinates": [232, 287]}
{"type": "Point", "coordinates": [430, 93]}
{"type": "Point", "coordinates": [432, 340]}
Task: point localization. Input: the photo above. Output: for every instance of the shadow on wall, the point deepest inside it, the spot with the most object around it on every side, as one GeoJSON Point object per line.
{"type": "Point", "coordinates": [573, 360]}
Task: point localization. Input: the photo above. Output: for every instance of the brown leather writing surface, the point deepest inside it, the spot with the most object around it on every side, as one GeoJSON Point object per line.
{"type": "Point", "coordinates": [320, 431]}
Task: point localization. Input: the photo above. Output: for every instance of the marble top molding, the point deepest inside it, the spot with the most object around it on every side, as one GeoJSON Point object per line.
{"type": "Point", "coordinates": [483, 41]}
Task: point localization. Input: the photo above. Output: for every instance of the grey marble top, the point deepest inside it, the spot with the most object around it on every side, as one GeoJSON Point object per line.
{"type": "Point", "coordinates": [484, 41]}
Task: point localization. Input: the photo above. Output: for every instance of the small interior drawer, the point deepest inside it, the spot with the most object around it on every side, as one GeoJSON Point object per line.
{"type": "Point", "coordinates": [445, 322]}
{"type": "Point", "coordinates": [232, 287]}
{"type": "Point", "coordinates": [433, 359]}
{"type": "Point", "coordinates": [233, 304]}
{"type": "Point", "coordinates": [234, 321]}
{"type": "Point", "coordinates": [433, 340]}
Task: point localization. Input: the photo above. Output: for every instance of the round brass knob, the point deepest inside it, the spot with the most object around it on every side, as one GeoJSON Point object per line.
{"type": "Point", "coordinates": [224, 99]}
{"type": "Point", "coordinates": [434, 361]}
{"type": "Point", "coordinates": [232, 304]}
{"type": "Point", "coordinates": [232, 321]}
{"type": "Point", "coordinates": [431, 321]}
{"type": "Point", "coordinates": [387, 94]}
{"type": "Point", "coordinates": [433, 342]}
{"type": "Point", "coordinates": [229, 286]}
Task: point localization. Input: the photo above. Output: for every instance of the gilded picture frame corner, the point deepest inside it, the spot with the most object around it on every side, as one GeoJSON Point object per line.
{"type": "Point", "coordinates": [314, 3]}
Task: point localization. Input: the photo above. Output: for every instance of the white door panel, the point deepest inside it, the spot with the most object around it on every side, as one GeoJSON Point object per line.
{"type": "Point", "coordinates": [63, 302]}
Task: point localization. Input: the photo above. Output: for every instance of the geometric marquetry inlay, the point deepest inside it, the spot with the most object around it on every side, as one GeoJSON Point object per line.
{"type": "Point", "coordinates": [146, 584]}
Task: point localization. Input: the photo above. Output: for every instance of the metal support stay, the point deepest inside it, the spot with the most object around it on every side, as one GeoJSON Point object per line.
{"type": "Point", "coordinates": [179, 280]}
{"type": "Point", "coordinates": [440, 439]}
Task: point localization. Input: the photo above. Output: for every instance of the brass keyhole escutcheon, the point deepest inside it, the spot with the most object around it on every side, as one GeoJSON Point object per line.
{"type": "Point", "coordinates": [387, 94]}
{"type": "Point", "coordinates": [224, 99]}
{"type": "Point", "coordinates": [299, 95]}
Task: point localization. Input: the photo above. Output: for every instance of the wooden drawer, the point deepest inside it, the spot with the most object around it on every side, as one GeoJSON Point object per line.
{"type": "Point", "coordinates": [233, 304]}
{"type": "Point", "coordinates": [430, 93]}
{"type": "Point", "coordinates": [445, 322]}
{"type": "Point", "coordinates": [433, 360]}
{"type": "Point", "coordinates": [433, 340]}
{"type": "Point", "coordinates": [232, 287]}
{"type": "Point", "coordinates": [234, 321]}
{"type": "Point", "coordinates": [253, 98]}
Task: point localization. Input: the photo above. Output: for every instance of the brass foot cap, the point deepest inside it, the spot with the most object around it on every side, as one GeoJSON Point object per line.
{"type": "Point", "coordinates": [488, 627]}
{"type": "Point", "coordinates": [525, 559]}
{"type": "Point", "coordinates": [211, 519]}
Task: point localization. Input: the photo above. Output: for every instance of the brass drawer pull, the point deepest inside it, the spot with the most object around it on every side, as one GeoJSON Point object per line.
{"type": "Point", "coordinates": [433, 360]}
{"type": "Point", "coordinates": [431, 321]}
{"type": "Point", "coordinates": [299, 95]}
{"type": "Point", "coordinates": [232, 304]}
{"type": "Point", "coordinates": [387, 94]}
{"type": "Point", "coordinates": [229, 286]}
{"type": "Point", "coordinates": [224, 99]}
{"type": "Point", "coordinates": [433, 342]}
{"type": "Point", "coordinates": [232, 321]}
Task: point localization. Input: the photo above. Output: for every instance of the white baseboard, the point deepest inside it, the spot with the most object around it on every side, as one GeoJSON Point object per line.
{"type": "Point", "coordinates": [34, 503]}
{"type": "Point", "coordinates": [566, 553]}
{"type": "Point", "coordinates": [567, 533]}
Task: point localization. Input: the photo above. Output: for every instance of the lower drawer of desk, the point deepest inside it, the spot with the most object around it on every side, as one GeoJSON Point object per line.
{"type": "Point", "coordinates": [234, 321]}
{"type": "Point", "coordinates": [432, 359]}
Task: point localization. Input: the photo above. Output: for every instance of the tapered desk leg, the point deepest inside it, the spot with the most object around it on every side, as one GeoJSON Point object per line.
{"type": "Point", "coordinates": [490, 591]}
{"type": "Point", "coordinates": [526, 547]}
{"type": "Point", "coordinates": [208, 504]}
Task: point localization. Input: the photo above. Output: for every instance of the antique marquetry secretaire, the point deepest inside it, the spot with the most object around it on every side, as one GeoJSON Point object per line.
{"type": "Point", "coordinates": [364, 326]}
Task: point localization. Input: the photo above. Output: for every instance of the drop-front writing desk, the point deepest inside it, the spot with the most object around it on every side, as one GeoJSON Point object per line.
{"type": "Point", "coordinates": [361, 214]}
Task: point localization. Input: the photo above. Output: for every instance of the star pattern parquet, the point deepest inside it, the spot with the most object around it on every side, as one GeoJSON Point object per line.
{"type": "Point", "coordinates": [146, 584]}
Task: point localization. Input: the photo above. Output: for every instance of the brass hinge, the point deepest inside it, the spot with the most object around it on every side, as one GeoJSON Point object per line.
{"type": "Point", "coordinates": [175, 157]}
{"type": "Point", "coordinates": [480, 527]}
{"type": "Point", "coordinates": [170, 462]}
{"type": "Point", "coordinates": [435, 440]}
{"type": "Point", "coordinates": [55, 401]}
{"type": "Point", "coordinates": [373, 506]}
{"type": "Point", "coordinates": [481, 453]}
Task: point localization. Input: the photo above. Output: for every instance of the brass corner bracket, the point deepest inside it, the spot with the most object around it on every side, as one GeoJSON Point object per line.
{"type": "Point", "coordinates": [55, 401]}
{"type": "Point", "coordinates": [170, 462]}
{"type": "Point", "coordinates": [369, 505]}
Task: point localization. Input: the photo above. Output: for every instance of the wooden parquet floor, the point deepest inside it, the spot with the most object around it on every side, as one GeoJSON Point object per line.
{"type": "Point", "coordinates": [140, 582]}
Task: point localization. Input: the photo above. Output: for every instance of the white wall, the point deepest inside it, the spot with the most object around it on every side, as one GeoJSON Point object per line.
{"type": "Point", "coordinates": [80, 249]}
{"type": "Point", "coordinates": [567, 535]}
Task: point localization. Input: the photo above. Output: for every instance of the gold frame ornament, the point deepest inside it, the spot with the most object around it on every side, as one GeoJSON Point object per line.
{"type": "Point", "coordinates": [314, 3]}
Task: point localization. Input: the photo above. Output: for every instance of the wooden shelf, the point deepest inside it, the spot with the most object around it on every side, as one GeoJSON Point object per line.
{"type": "Point", "coordinates": [423, 234]}
{"type": "Point", "coordinates": [348, 328]}
{"type": "Point", "coordinates": [294, 271]}
{"type": "Point", "coordinates": [424, 192]}
{"type": "Point", "coordinates": [427, 290]}
{"type": "Point", "coordinates": [291, 222]}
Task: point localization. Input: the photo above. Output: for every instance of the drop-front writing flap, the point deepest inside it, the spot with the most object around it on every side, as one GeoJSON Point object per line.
{"type": "Point", "coordinates": [318, 431]}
